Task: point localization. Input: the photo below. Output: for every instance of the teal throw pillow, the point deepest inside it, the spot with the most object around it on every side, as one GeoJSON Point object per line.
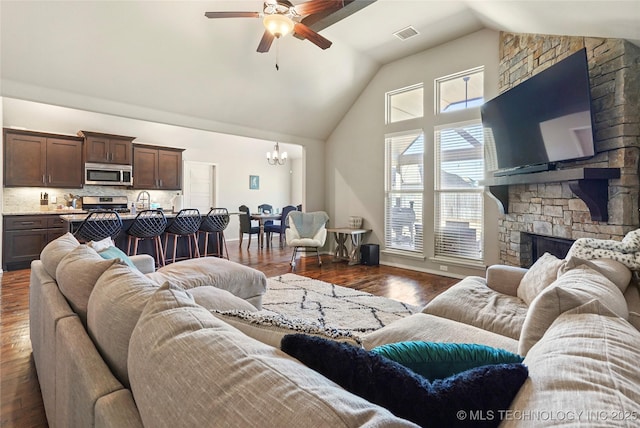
{"type": "Point", "coordinates": [436, 360]}
{"type": "Point", "coordinates": [116, 253]}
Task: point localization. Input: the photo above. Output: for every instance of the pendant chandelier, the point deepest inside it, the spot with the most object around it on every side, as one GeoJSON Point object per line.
{"type": "Point", "coordinates": [275, 157]}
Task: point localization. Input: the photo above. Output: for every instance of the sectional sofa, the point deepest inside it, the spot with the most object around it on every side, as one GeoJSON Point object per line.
{"type": "Point", "coordinates": [119, 345]}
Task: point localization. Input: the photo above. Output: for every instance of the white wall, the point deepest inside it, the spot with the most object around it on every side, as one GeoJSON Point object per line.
{"type": "Point", "coordinates": [235, 157]}
{"type": "Point", "coordinates": [355, 150]}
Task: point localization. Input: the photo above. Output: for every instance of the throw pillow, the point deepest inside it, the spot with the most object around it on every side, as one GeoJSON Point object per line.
{"type": "Point", "coordinates": [116, 253]}
{"type": "Point", "coordinates": [101, 245]}
{"type": "Point", "coordinates": [406, 394]}
{"type": "Point", "coordinates": [56, 250]}
{"type": "Point", "coordinates": [77, 274]}
{"type": "Point", "coordinates": [539, 276]}
{"type": "Point", "coordinates": [437, 360]}
{"type": "Point", "coordinates": [575, 288]}
{"type": "Point", "coordinates": [270, 328]}
{"type": "Point", "coordinates": [615, 271]}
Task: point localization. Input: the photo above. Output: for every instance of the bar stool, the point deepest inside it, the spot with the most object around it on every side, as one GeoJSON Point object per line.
{"type": "Point", "coordinates": [216, 221]}
{"type": "Point", "coordinates": [148, 224]}
{"type": "Point", "coordinates": [99, 225]}
{"type": "Point", "coordinates": [184, 224]}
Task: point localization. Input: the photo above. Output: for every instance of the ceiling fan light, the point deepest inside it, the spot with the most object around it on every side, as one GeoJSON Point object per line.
{"type": "Point", "coordinates": [278, 25]}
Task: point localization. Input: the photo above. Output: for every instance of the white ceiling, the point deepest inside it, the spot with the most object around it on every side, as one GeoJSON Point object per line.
{"type": "Point", "coordinates": [166, 56]}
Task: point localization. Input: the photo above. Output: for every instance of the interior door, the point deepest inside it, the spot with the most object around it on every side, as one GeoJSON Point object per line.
{"type": "Point", "coordinates": [199, 185]}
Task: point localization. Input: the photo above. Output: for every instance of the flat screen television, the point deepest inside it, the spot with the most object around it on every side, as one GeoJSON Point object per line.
{"type": "Point", "coordinates": [543, 120]}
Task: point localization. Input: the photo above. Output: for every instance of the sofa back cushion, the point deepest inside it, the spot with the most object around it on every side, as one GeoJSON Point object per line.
{"type": "Point", "coordinates": [539, 276]}
{"type": "Point", "coordinates": [56, 250]}
{"type": "Point", "coordinates": [584, 368]}
{"type": "Point", "coordinates": [114, 307]}
{"type": "Point", "coordinates": [77, 274]}
{"type": "Point", "coordinates": [117, 301]}
{"type": "Point", "coordinates": [613, 270]}
{"type": "Point", "coordinates": [575, 288]}
{"type": "Point", "coordinates": [188, 368]}
{"type": "Point", "coordinates": [242, 281]}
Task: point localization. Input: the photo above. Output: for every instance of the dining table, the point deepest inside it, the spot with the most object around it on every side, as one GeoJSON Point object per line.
{"type": "Point", "coordinates": [262, 218]}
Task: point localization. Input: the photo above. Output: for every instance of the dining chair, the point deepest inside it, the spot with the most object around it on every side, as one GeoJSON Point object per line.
{"type": "Point", "coordinates": [245, 224]}
{"type": "Point", "coordinates": [280, 227]}
{"type": "Point", "coordinates": [266, 209]}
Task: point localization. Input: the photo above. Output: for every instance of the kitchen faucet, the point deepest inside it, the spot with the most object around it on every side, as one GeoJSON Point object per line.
{"type": "Point", "coordinates": [145, 198]}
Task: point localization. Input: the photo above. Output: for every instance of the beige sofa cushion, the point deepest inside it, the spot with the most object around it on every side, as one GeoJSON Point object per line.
{"type": "Point", "coordinates": [56, 250]}
{"type": "Point", "coordinates": [471, 302]}
{"type": "Point", "coordinates": [586, 368]}
{"type": "Point", "coordinates": [77, 274]}
{"type": "Point", "coordinates": [270, 328]}
{"type": "Point", "coordinates": [189, 369]}
{"type": "Point", "coordinates": [430, 328]}
{"type": "Point", "coordinates": [214, 298]}
{"type": "Point", "coordinates": [114, 307]}
{"type": "Point", "coordinates": [539, 276]}
{"type": "Point", "coordinates": [613, 270]}
{"type": "Point", "coordinates": [576, 287]}
{"type": "Point", "coordinates": [116, 303]}
{"type": "Point", "coordinates": [242, 281]}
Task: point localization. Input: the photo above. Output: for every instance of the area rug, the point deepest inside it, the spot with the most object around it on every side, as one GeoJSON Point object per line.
{"type": "Point", "coordinates": [331, 305]}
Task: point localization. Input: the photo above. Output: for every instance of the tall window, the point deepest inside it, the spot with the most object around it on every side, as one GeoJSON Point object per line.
{"type": "Point", "coordinates": [459, 165]}
{"type": "Point", "coordinates": [404, 191]}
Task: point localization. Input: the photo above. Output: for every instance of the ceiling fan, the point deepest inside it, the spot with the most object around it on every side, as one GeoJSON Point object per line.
{"type": "Point", "coordinates": [280, 17]}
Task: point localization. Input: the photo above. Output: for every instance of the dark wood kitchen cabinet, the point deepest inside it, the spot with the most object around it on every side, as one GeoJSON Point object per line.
{"type": "Point", "coordinates": [33, 159]}
{"type": "Point", "coordinates": [157, 167]}
{"type": "Point", "coordinates": [107, 148]}
{"type": "Point", "coordinates": [24, 237]}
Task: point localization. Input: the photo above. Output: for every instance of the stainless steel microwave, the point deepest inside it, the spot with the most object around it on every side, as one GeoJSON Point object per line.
{"type": "Point", "coordinates": [107, 174]}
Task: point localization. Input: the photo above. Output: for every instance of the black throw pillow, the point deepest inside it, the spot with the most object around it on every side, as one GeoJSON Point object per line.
{"type": "Point", "coordinates": [474, 397]}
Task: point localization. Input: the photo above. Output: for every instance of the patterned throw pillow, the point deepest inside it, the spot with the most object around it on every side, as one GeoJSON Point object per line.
{"type": "Point", "coordinates": [438, 360]}
{"type": "Point", "coordinates": [484, 390]}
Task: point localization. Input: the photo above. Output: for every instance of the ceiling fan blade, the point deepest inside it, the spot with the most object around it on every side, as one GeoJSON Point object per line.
{"type": "Point", "coordinates": [313, 37]}
{"type": "Point", "coordinates": [232, 14]}
{"type": "Point", "coordinates": [315, 6]}
{"type": "Point", "coordinates": [265, 42]}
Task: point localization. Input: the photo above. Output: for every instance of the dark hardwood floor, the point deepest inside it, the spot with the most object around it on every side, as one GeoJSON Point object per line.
{"type": "Point", "coordinates": [21, 403]}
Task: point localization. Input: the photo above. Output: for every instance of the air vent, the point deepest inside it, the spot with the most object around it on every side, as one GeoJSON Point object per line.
{"type": "Point", "coordinates": [406, 33]}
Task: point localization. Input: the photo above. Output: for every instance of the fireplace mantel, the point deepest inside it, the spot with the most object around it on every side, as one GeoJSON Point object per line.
{"type": "Point", "coordinates": [589, 184]}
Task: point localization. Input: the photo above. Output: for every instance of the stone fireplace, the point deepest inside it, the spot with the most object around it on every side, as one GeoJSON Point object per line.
{"type": "Point", "coordinates": [552, 209]}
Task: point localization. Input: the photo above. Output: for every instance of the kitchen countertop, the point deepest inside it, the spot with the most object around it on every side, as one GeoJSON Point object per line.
{"type": "Point", "coordinates": [77, 217]}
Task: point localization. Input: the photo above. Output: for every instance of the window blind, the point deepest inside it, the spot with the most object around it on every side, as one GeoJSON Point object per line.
{"type": "Point", "coordinates": [458, 203]}
{"type": "Point", "coordinates": [404, 191]}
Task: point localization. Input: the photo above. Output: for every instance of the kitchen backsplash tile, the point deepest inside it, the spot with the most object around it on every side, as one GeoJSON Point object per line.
{"type": "Point", "coordinates": [18, 199]}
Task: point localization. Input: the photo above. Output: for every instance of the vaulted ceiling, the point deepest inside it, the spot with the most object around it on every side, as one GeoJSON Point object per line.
{"type": "Point", "coordinates": [165, 56]}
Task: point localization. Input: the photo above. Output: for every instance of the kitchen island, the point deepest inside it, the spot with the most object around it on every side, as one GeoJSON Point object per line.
{"type": "Point", "coordinates": [73, 221]}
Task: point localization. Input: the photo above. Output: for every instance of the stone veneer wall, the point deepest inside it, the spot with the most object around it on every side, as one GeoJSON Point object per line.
{"type": "Point", "coordinates": [551, 209]}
